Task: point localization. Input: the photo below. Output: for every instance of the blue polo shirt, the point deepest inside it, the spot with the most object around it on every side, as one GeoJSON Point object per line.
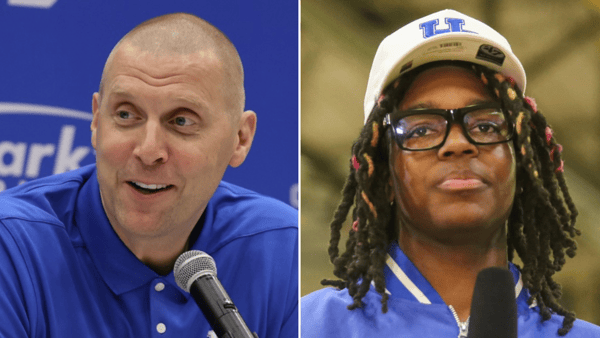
{"type": "Point", "coordinates": [64, 272]}
{"type": "Point", "coordinates": [415, 309]}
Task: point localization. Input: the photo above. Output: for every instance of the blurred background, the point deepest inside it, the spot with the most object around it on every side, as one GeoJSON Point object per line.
{"type": "Point", "coordinates": [558, 43]}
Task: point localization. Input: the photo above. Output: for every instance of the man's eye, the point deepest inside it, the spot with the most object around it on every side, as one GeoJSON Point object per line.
{"type": "Point", "coordinates": [124, 114]}
{"type": "Point", "coordinates": [182, 121]}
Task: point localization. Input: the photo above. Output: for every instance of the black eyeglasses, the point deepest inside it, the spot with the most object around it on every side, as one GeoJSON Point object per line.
{"type": "Point", "coordinates": [424, 129]}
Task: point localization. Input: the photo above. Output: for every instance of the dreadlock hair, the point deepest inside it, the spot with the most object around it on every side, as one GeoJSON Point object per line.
{"type": "Point", "coordinates": [541, 226]}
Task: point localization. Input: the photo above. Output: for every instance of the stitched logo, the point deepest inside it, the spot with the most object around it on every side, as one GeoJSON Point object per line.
{"type": "Point", "coordinates": [430, 28]}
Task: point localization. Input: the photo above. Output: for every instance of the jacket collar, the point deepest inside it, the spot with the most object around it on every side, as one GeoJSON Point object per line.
{"type": "Point", "coordinates": [403, 279]}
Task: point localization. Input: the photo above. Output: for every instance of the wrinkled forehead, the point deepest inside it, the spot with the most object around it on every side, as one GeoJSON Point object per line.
{"type": "Point", "coordinates": [166, 60]}
{"type": "Point", "coordinates": [173, 46]}
{"type": "Point", "coordinates": [202, 67]}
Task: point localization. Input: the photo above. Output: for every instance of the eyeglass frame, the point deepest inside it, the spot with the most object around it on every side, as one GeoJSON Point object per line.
{"type": "Point", "coordinates": [451, 116]}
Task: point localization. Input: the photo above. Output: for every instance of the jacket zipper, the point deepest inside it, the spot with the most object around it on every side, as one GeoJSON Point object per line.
{"type": "Point", "coordinates": [463, 327]}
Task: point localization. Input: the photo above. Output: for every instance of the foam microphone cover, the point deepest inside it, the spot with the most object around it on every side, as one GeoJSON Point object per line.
{"type": "Point", "coordinates": [493, 308]}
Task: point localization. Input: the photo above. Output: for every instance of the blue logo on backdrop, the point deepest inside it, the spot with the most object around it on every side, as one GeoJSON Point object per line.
{"type": "Point", "coordinates": [55, 141]}
{"type": "Point", "coordinates": [429, 28]}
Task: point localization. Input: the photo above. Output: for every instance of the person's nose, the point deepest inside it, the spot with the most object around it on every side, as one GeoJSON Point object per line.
{"type": "Point", "coordinates": [457, 144]}
{"type": "Point", "coordinates": [152, 147]}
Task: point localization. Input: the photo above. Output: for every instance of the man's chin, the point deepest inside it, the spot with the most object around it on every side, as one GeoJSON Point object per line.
{"type": "Point", "coordinates": [142, 224]}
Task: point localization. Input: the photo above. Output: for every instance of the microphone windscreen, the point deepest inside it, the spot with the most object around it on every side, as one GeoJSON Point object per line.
{"type": "Point", "coordinates": [192, 264]}
{"type": "Point", "coordinates": [493, 308]}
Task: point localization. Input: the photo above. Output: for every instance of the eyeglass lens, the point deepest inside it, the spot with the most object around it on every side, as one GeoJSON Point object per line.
{"type": "Point", "coordinates": [422, 131]}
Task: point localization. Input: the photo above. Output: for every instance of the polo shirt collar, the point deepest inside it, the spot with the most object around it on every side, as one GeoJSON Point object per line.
{"type": "Point", "coordinates": [121, 270]}
{"type": "Point", "coordinates": [403, 279]}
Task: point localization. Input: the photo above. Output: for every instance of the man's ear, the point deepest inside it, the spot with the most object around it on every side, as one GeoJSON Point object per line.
{"type": "Point", "coordinates": [96, 113]}
{"type": "Point", "coordinates": [245, 135]}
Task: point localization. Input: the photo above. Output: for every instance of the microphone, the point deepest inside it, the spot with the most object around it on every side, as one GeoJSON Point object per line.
{"type": "Point", "coordinates": [196, 272]}
{"type": "Point", "coordinates": [493, 308]}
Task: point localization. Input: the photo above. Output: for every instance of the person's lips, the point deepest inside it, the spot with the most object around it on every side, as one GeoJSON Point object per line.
{"type": "Point", "coordinates": [149, 188]}
{"type": "Point", "coordinates": [462, 181]}
{"type": "Point", "coordinates": [461, 184]}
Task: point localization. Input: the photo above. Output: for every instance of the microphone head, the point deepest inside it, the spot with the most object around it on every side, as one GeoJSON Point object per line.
{"type": "Point", "coordinates": [191, 265]}
{"type": "Point", "coordinates": [493, 308]}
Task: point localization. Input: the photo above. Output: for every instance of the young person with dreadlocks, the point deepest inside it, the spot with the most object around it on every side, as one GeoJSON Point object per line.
{"type": "Point", "coordinates": [454, 171]}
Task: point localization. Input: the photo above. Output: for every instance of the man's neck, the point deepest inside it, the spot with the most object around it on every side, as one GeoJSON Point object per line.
{"type": "Point", "coordinates": [159, 253]}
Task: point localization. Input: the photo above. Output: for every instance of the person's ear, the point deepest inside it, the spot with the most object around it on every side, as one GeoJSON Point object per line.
{"type": "Point", "coordinates": [96, 115]}
{"type": "Point", "coordinates": [245, 136]}
{"type": "Point", "coordinates": [390, 190]}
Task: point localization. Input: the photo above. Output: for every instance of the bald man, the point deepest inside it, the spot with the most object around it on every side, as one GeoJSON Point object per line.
{"type": "Point", "coordinates": [90, 253]}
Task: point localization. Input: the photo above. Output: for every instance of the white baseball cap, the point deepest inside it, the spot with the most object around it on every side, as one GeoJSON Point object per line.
{"type": "Point", "coordinates": [445, 35]}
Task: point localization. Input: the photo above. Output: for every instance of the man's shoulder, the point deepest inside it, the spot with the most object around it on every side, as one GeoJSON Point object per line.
{"type": "Point", "coordinates": [45, 200]}
{"type": "Point", "coordinates": [36, 220]}
{"type": "Point", "coordinates": [235, 213]}
{"type": "Point", "coordinates": [232, 200]}
{"type": "Point", "coordinates": [230, 190]}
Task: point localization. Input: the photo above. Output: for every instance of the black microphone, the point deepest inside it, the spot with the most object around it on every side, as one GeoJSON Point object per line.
{"type": "Point", "coordinates": [196, 273]}
{"type": "Point", "coordinates": [493, 308]}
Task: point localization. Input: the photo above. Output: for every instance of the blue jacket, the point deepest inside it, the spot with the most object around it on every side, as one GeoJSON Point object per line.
{"type": "Point", "coordinates": [415, 309]}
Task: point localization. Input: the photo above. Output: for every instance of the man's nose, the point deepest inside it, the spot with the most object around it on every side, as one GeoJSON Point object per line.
{"type": "Point", "coordinates": [152, 147]}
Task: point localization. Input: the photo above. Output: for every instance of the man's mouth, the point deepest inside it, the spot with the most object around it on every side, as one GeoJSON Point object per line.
{"type": "Point", "coordinates": [149, 188]}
